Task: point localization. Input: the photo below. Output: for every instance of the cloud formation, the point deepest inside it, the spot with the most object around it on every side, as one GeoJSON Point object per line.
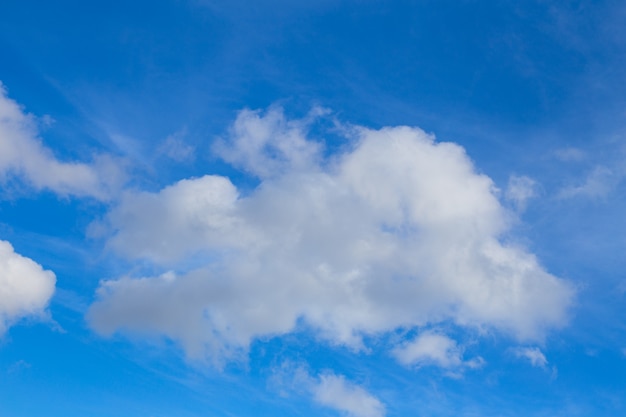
{"type": "Point", "coordinates": [396, 231]}
{"type": "Point", "coordinates": [23, 156]}
{"type": "Point", "coordinates": [25, 287]}
{"type": "Point", "coordinates": [598, 184]}
{"type": "Point", "coordinates": [431, 348]}
{"type": "Point", "coordinates": [267, 145]}
{"type": "Point", "coordinates": [519, 190]}
{"type": "Point", "coordinates": [329, 390]}
{"type": "Point", "coordinates": [335, 392]}
{"type": "Point", "coordinates": [534, 355]}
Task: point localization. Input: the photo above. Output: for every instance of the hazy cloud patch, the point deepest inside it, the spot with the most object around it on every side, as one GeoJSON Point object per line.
{"type": "Point", "coordinates": [533, 355]}
{"type": "Point", "coordinates": [520, 190]}
{"type": "Point", "coordinates": [175, 148]}
{"type": "Point", "coordinates": [598, 184]}
{"type": "Point", "coordinates": [570, 154]}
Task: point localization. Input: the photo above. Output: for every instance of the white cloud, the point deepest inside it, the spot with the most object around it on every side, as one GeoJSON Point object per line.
{"type": "Point", "coordinates": [329, 390]}
{"type": "Point", "coordinates": [25, 287]}
{"type": "Point", "coordinates": [188, 216]}
{"type": "Point", "coordinates": [533, 354]}
{"type": "Point", "coordinates": [269, 144]}
{"type": "Point", "coordinates": [335, 392]}
{"type": "Point", "coordinates": [519, 190]}
{"type": "Point", "coordinates": [598, 184]}
{"type": "Point", "coordinates": [22, 155]}
{"type": "Point", "coordinates": [396, 231]}
{"type": "Point", "coordinates": [431, 348]}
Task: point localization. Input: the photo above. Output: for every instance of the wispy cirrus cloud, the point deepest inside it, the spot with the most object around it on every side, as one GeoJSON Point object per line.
{"type": "Point", "coordinates": [520, 190]}
{"type": "Point", "coordinates": [570, 154]}
{"type": "Point", "coordinates": [598, 184]}
{"type": "Point", "coordinates": [23, 156]}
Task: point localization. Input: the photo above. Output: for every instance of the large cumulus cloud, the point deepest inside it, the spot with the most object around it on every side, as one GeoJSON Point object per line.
{"type": "Point", "coordinates": [396, 230]}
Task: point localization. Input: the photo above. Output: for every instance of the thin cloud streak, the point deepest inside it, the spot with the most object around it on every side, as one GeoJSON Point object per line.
{"type": "Point", "coordinates": [24, 157]}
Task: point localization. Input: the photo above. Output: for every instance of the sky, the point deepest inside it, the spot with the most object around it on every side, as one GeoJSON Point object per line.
{"type": "Point", "coordinates": [356, 208]}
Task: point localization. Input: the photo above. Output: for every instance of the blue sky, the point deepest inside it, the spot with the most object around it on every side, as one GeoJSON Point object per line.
{"type": "Point", "coordinates": [331, 208]}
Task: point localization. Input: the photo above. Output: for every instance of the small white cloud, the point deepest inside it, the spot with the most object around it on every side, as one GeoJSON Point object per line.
{"type": "Point", "coordinates": [22, 155]}
{"type": "Point", "coordinates": [598, 184]}
{"type": "Point", "coordinates": [432, 348]}
{"type": "Point", "coordinates": [329, 390]}
{"type": "Point", "coordinates": [25, 287]}
{"type": "Point", "coordinates": [533, 354]}
{"type": "Point", "coordinates": [519, 190]}
{"type": "Point", "coordinates": [335, 392]}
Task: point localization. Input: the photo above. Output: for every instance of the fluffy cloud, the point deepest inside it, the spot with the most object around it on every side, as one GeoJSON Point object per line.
{"type": "Point", "coordinates": [22, 155]}
{"type": "Point", "coordinates": [25, 287]}
{"type": "Point", "coordinates": [395, 231]}
{"type": "Point", "coordinates": [269, 145]}
{"type": "Point", "coordinates": [329, 390]}
{"type": "Point", "coordinates": [189, 216]}
{"type": "Point", "coordinates": [335, 392]}
{"type": "Point", "coordinates": [436, 349]}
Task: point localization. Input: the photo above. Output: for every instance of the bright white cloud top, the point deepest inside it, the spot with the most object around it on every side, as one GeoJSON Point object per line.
{"type": "Point", "coordinates": [25, 287]}
{"type": "Point", "coordinates": [396, 231]}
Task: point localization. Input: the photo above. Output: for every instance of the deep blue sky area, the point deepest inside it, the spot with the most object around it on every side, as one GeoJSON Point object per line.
{"type": "Point", "coordinates": [210, 208]}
